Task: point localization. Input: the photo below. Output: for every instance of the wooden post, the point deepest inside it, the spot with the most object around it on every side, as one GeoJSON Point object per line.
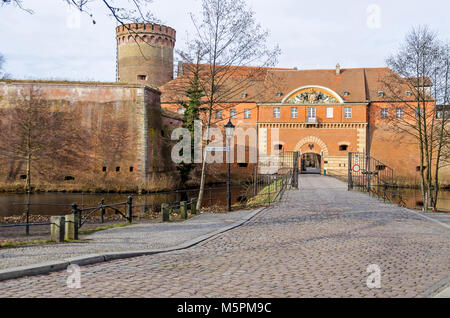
{"type": "Point", "coordinates": [57, 228]}
{"type": "Point", "coordinates": [183, 210]}
{"type": "Point", "coordinates": [71, 228]}
{"type": "Point", "coordinates": [165, 212]}
{"type": "Point", "coordinates": [194, 207]}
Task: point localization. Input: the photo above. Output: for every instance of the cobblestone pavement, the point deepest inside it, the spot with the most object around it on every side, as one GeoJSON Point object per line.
{"type": "Point", "coordinates": [317, 243]}
{"type": "Point", "coordinates": [139, 237]}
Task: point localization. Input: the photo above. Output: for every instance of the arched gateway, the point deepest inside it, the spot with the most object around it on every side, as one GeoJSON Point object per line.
{"type": "Point", "coordinates": [312, 150]}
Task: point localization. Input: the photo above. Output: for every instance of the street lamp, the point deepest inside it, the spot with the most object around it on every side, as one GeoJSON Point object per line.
{"type": "Point", "coordinates": [229, 132]}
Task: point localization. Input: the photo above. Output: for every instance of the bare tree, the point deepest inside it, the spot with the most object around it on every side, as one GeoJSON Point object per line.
{"type": "Point", "coordinates": [226, 38]}
{"type": "Point", "coordinates": [48, 142]}
{"type": "Point", "coordinates": [123, 11]}
{"type": "Point", "coordinates": [417, 83]}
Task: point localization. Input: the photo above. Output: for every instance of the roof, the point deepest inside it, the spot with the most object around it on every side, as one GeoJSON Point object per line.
{"type": "Point", "coordinates": [362, 84]}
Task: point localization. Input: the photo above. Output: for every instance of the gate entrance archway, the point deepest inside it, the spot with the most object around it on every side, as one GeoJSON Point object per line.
{"type": "Point", "coordinates": [311, 163]}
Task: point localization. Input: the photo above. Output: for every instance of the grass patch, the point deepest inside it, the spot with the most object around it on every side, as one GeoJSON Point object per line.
{"type": "Point", "coordinates": [267, 194]}
{"type": "Point", "coordinates": [13, 244]}
{"type": "Point", "coordinates": [102, 228]}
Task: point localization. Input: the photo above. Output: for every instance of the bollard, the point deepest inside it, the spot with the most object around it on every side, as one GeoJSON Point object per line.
{"type": "Point", "coordinates": [183, 210]}
{"type": "Point", "coordinates": [57, 228]}
{"type": "Point", "coordinates": [193, 206]}
{"type": "Point", "coordinates": [165, 212]}
{"type": "Point", "coordinates": [71, 228]}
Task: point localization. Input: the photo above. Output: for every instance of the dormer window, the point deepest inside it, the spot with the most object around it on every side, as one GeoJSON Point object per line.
{"type": "Point", "coordinates": [408, 93]}
{"type": "Point", "coordinates": [142, 77]}
{"type": "Point", "coordinates": [279, 94]}
{"type": "Point", "coordinates": [346, 93]}
{"type": "Point", "coordinates": [244, 95]}
{"type": "Point", "coordinates": [380, 93]}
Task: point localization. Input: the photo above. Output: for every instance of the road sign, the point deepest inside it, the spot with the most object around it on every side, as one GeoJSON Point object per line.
{"type": "Point", "coordinates": [356, 168]}
{"type": "Point", "coordinates": [217, 149]}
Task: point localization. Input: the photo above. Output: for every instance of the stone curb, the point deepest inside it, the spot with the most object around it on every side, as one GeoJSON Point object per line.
{"type": "Point", "coordinates": [45, 268]}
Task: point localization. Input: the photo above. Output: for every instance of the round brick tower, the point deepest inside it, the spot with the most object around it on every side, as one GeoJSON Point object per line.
{"type": "Point", "coordinates": [145, 53]}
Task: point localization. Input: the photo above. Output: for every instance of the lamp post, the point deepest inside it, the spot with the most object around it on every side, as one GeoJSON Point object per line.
{"type": "Point", "coordinates": [229, 132]}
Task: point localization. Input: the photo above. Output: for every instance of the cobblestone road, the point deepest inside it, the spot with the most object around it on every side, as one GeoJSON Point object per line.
{"type": "Point", "coordinates": [317, 243]}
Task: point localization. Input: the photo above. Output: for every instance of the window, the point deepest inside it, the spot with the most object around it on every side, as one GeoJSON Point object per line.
{"type": "Point", "coordinates": [399, 113]}
{"type": "Point", "coordinates": [276, 112]}
{"type": "Point", "coordinates": [408, 93]}
{"type": "Point", "coordinates": [329, 112]}
{"type": "Point", "coordinates": [232, 113]}
{"type": "Point", "coordinates": [142, 77]}
{"type": "Point", "coordinates": [380, 93]}
{"type": "Point", "coordinates": [68, 178]}
{"type": "Point", "coordinates": [243, 165]}
{"type": "Point", "coordinates": [419, 111]}
{"type": "Point", "coordinates": [279, 94]}
{"type": "Point", "coordinates": [23, 177]}
{"type": "Point", "coordinates": [384, 113]}
{"type": "Point", "coordinates": [104, 169]}
{"type": "Point", "coordinates": [278, 147]}
{"type": "Point", "coordinates": [347, 112]}
{"type": "Point", "coordinates": [219, 114]}
{"type": "Point", "coordinates": [294, 112]}
{"type": "Point", "coordinates": [181, 111]}
{"type": "Point", "coordinates": [380, 167]}
{"type": "Point", "coordinates": [117, 169]}
{"type": "Point", "coordinates": [343, 147]}
{"type": "Point", "coordinates": [131, 169]}
{"type": "Point", "coordinates": [247, 113]}
{"type": "Point", "coordinates": [311, 114]}
{"type": "Point", "coordinates": [346, 93]}
{"type": "Point", "coordinates": [244, 95]}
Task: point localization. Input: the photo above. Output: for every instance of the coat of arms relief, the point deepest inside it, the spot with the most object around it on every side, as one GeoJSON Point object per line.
{"type": "Point", "coordinates": [312, 97]}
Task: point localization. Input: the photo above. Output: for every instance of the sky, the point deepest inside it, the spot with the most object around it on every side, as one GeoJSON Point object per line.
{"type": "Point", "coordinates": [56, 43]}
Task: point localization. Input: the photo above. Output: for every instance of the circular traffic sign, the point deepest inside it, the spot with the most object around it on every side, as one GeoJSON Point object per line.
{"type": "Point", "coordinates": [356, 168]}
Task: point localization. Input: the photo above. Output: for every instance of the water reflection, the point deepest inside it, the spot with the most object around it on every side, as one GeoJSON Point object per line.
{"type": "Point", "coordinates": [60, 203]}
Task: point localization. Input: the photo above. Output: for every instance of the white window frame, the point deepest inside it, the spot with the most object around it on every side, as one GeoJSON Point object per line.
{"type": "Point", "coordinates": [276, 112]}
{"type": "Point", "coordinates": [311, 113]}
{"type": "Point", "coordinates": [219, 114]}
{"type": "Point", "coordinates": [399, 112]}
{"type": "Point", "coordinates": [348, 112]}
{"type": "Point", "coordinates": [330, 112]}
{"type": "Point", "coordinates": [294, 112]}
{"type": "Point", "coordinates": [233, 113]}
{"type": "Point", "coordinates": [384, 113]}
{"type": "Point", "coordinates": [247, 114]}
{"type": "Point", "coordinates": [181, 111]}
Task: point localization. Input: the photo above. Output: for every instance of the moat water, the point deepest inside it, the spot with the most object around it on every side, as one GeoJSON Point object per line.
{"type": "Point", "coordinates": [60, 203]}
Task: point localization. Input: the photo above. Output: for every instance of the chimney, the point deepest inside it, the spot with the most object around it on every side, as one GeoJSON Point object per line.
{"type": "Point", "coordinates": [338, 69]}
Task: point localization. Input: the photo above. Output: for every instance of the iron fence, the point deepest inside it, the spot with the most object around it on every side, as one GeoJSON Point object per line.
{"type": "Point", "coordinates": [366, 172]}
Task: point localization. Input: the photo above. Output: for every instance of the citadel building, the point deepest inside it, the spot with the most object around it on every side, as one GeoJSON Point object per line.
{"type": "Point", "coordinates": [322, 114]}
